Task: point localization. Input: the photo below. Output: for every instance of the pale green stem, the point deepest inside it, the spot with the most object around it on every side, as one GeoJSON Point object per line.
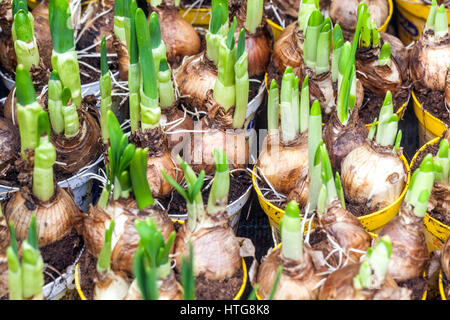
{"type": "Point", "coordinates": [305, 10]}
{"type": "Point", "coordinates": [213, 43]}
{"type": "Point", "coordinates": [134, 75]}
{"type": "Point", "coordinates": [273, 106]}
{"type": "Point", "coordinates": [32, 272]}
{"type": "Point", "coordinates": [105, 104]}
{"type": "Point", "coordinates": [55, 106]}
{"type": "Point", "coordinates": [44, 158]}
{"type": "Point", "coordinates": [165, 88]}
{"type": "Point", "coordinates": [291, 233]}
{"type": "Point", "coordinates": [150, 112]}
{"type": "Point", "coordinates": [14, 275]}
{"type": "Point", "coordinates": [224, 88]}
{"type": "Point", "coordinates": [296, 104]}
{"type": "Point", "coordinates": [27, 117]}
{"type": "Point", "coordinates": [71, 121]}
{"type": "Point", "coordinates": [242, 90]}
{"type": "Point", "coordinates": [287, 120]}
{"type": "Point", "coordinates": [304, 106]}
{"type": "Point", "coordinates": [66, 64]}
{"type": "Point", "coordinates": [254, 14]}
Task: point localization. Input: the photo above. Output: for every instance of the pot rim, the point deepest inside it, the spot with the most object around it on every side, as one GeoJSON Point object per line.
{"type": "Point", "coordinates": [236, 297]}
{"type": "Point", "coordinates": [275, 213]}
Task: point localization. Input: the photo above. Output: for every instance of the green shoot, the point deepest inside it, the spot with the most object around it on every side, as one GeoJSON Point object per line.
{"type": "Point", "coordinates": [104, 258]}
{"type": "Point", "coordinates": [254, 14]}
{"type": "Point", "coordinates": [273, 102]}
{"type": "Point", "coordinates": [420, 186]}
{"type": "Point", "coordinates": [291, 232]}
{"type": "Point", "coordinates": [105, 91]}
{"type": "Point", "coordinates": [218, 196]}
{"type": "Point", "coordinates": [187, 275]}
{"type": "Point", "coordinates": [373, 269]}
{"type": "Point", "coordinates": [192, 194]}
{"type": "Point", "coordinates": [242, 82]}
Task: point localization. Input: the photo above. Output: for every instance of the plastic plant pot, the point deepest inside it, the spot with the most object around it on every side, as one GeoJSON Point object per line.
{"type": "Point", "coordinates": [436, 232]}
{"type": "Point", "coordinates": [372, 222]}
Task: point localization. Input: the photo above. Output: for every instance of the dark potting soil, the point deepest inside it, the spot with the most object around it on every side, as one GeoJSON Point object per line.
{"type": "Point", "coordinates": [433, 101]}
{"type": "Point", "coordinates": [200, 4]}
{"type": "Point", "coordinates": [372, 102]}
{"type": "Point", "coordinates": [87, 272]}
{"type": "Point", "coordinates": [61, 254]}
{"type": "Point", "coordinates": [89, 102]}
{"type": "Point", "coordinates": [279, 16]}
{"type": "Point", "coordinates": [433, 149]}
{"type": "Point", "coordinates": [87, 74]}
{"type": "Point", "coordinates": [225, 289]}
{"type": "Point", "coordinates": [239, 183]}
{"type": "Point", "coordinates": [358, 210]}
{"type": "Point", "coordinates": [417, 285]}
{"type": "Point", "coordinates": [316, 236]}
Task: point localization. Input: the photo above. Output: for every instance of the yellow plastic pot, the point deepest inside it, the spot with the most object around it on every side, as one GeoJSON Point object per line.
{"type": "Point", "coordinates": [198, 17]}
{"type": "Point", "coordinates": [32, 3]}
{"type": "Point", "coordinates": [441, 286]}
{"type": "Point", "coordinates": [399, 112]}
{"type": "Point", "coordinates": [430, 127]}
{"type": "Point", "coordinates": [372, 222]}
{"type": "Point", "coordinates": [236, 297]}
{"type": "Point", "coordinates": [436, 233]}
{"type": "Point", "coordinates": [277, 29]}
{"type": "Point", "coordinates": [374, 236]}
{"type": "Point", "coordinates": [411, 18]}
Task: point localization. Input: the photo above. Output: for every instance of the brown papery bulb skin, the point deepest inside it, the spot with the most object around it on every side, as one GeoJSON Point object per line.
{"type": "Point", "coordinates": [95, 28]}
{"type": "Point", "coordinates": [439, 200]}
{"type": "Point", "coordinates": [179, 36]}
{"type": "Point", "coordinates": [445, 258]}
{"type": "Point", "coordinates": [344, 12]}
{"type": "Point", "coordinates": [447, 92]}
{"type": "Point", "coordinates": [169, 289]}
{"type": "Point", "coordinates": [175, 128]}
{"type": "Point", "coordinates": [195, 79]}
{"type": "Point", "coordinates": [399, 53]}
{"type": "Point", "coordinates": [4, 243]}
{"type": "Point", "coordinates": [341, 140]}
{"type": "Point", "coordinates": [258, 45]}
{"type": "Point", "coordinates": [83, 149]}
{"type": "Point", "coordinates": [298, 281]}
{"type": "Point", "coordinates": [42, 33]}
{"type": "Point", "coordinates": [7, 53]}
{"type": "Point", "coordinates": [125, 236]}
{"type": "Point", "coordinates": [285, 166]}
{"type": "Point", "coordinates": [430, 59]}
{"type": "Point", "coordinates": [122, 55]}
{"type": "Point", "coordinates": [158, 158]}
{"type": "Point", "coordinates": [373, 175]}
{"type": "Point", "coordinates": [215, 246]}
{"type": "Point", "coordinates": [259, 50]}
{"type": "Point", "coordinates": [376, 78]}
{"type": "Point", "coordinates": [339, 286]}
{"type": "Point", "coordinates": [203, 145]}
{"type": "Point", "coordinates": [9, 146]}
{"type": "Point", "coordinates": [111, 286]}
{"type": "Point", "coordinates": [159, 186]}
{"type": "Point", "coordinates": [346, 230]}
{"type": "Point", "coordinates": [55, 218]}
{"type": "Point", "coordinates": [409, 249]}
{"type": "Point", "coordinates": [288, 50]}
